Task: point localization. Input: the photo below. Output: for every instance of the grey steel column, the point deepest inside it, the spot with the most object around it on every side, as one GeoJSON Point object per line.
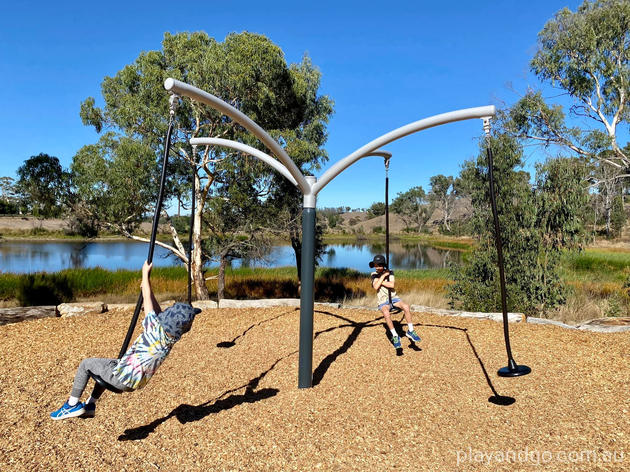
{"type": "Point", "coordinates": [305, 367]}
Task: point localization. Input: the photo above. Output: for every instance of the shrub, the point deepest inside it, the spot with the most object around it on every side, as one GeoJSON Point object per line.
{"type": "Point", "coordinates": [43, 289]}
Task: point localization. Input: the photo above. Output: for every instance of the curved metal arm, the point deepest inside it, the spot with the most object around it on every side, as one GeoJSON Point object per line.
{"type": "Point", "coordinates": [436, 120]}
{"type": "Point", "coordinates": [340, 166]}
{"type": "Point", "coordinates": [181, 88]}
{"type": "Point", "coordinates": [266, 158]}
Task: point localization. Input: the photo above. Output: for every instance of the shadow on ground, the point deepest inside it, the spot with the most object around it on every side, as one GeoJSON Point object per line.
{"type": "Point", "coordinates": [188, 413]}
{"type": "Point", "coordinates": [495, 398]}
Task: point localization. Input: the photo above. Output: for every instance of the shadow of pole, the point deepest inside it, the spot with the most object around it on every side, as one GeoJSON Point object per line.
{"type": "Point", "coordinates": [496, 398]}
{"type": "Point", "coordinates": [324, 365]}
{"type": "Point", "coordinates": [187, 413]}
{"type": "Point", "coordinates": [232, 343]}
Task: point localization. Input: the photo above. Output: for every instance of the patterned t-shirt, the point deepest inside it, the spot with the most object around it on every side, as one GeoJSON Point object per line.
{"type": "Point", "coordinates": [382, 294]}
{"type": "Point", "coordinates": [147, 353]}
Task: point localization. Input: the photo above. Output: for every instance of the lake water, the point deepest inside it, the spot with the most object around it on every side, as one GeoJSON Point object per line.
{"type": "Point", "coordinates": [53, 256]}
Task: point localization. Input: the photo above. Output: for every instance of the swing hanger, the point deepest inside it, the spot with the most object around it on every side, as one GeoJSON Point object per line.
{"type": "Point", "coordinates": [173, 101]}
{"type": "Point", "coordinates": [486, 126]}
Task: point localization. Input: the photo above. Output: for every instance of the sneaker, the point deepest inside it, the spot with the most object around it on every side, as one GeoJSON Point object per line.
{"type": "Point", "coordinates": [413, 336]}
{"type": "Point", "coordinates": [67, 411]}
{"type": "Point", "coordinates": [89, 410]}
{"type": "Point", "coordinates": [396, 342]}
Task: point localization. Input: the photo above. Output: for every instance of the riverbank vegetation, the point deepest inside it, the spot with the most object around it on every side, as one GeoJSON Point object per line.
{"type": "Point", "coordinates": [597, 283]}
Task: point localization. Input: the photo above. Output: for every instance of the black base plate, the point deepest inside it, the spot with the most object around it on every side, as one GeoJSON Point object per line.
{"type": "Point", "coordinates": [514, 371]}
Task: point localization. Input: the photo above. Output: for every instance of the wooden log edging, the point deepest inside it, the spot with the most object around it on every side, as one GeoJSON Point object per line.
{"type": "Point", "coordinates": [25, 313]}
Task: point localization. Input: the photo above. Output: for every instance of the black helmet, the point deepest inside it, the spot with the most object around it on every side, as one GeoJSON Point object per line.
{"type": "Point", "coordinates": [379, 259]}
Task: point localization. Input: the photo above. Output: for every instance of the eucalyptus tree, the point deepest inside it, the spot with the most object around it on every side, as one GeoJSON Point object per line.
{"type": "Point", "coordinates": [537, 224]}
{"type": "Point", "coordinates": [9, 196]}
{"type": "Point", "coordinates": [585, 54]}
{"type": "Point", "coordinates": [412, 207]}
{"type": "Point", "coordinates": [43, 184]}
{"type": "Point", "coordinates": [246, 70]}
{"type": "Point", "coordinates": [444, 191]}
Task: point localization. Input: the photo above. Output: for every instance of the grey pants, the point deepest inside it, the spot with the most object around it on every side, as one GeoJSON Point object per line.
{"type": "Point", "coordinates": [103, 367]}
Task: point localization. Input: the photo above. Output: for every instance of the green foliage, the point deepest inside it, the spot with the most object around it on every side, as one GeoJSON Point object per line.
{"type": "Point", "coordinates": [537, 225]}
{"type": "Point", "coordinates": [115, 182]}
{"type": "Point", "coordinates": [43, 289]}
{"type": "Point", "coordinates": [9, 196]}
{"type": "Point", "coordinates": [444, 192]}
{"type": "Point", "coordinates": [376, 209]}
{"type": "Point", "coordinates": [583, 50]}
{"type": "Point", "coordinates": [378, 230]}
{"type": "Point", "coordinates": [43, 184]}
{"type": "Point", "coordinates": [246, 70]}
{"type": "Point", "coordinates": [412, 208]}
{"type": "Point", "coordinates": [618, 216]}
{"type": "Point", "coordinates": [333, 220]}
{"type": "Point", "coordinates": [608, 266]}
{"type": "Point", "coordinates": [584, 53]}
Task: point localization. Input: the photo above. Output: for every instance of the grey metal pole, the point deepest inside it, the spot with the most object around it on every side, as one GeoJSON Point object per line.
{"type": "Point", "coordinates": [307, 297]}
{"type": "Point", "coordinates": [307, 300]}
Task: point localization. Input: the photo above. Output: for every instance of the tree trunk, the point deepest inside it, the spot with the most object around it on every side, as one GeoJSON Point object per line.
{"type": "Point", "coordinates": [446, 215]}
{"type": "Point", "coordinates": [199, 280]}
{"type": "Point", "coordinates": [221, 280]}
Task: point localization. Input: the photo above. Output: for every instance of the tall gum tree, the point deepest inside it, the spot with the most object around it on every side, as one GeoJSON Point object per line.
{"type": "Point", "coordinates": [246, 70]}
{"type": "Point", "coordinates": [585, 54]}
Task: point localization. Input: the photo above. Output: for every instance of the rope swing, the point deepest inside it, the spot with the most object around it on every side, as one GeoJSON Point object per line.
{"type": "Point", "coordinates": [100, 384]}
{"type": "Point", "coordinates": [392, 309]}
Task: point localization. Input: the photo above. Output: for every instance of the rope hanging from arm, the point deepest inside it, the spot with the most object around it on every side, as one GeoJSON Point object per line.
{"type": "Point", "coordinates": [512, 369]}
{"type": "Point", "coordinates": [392, 308]}
{"type": "Point", "coordinates": [99, 387]}
{"type": "Point", "coordinates": [156, 220]}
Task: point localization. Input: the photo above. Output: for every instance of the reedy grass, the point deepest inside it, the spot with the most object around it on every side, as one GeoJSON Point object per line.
{"type": "Point", "coordinates": [596, 280]}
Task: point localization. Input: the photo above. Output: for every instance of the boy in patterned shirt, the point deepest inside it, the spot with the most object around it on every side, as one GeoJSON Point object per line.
{"type": "Point", "coordinates": [161, 330]}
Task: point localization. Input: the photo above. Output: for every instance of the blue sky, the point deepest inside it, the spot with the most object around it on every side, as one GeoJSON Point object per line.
{"type": "Point", "coordinates": [385, 64]}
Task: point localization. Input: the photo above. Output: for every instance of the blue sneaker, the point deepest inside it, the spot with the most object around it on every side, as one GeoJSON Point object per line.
{"type": "Point", "coordinates": [413, 336]}
{"type": "Point", "coordinates": [396, 342]}
{"type": "Point", "coordinates": [67, 411]}
{"type": "Point", "coordinates": [89, 410]}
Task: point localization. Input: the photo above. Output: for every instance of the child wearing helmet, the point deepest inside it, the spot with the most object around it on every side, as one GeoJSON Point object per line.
{"type": "Point", "coordinates": [383, 282]}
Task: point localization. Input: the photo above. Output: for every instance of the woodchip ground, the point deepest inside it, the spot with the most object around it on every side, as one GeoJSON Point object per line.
{"type": "Point", "coordinates": [227, 397]}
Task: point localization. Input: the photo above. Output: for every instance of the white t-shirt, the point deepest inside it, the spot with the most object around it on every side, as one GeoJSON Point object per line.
{"type": "Point", "coordinates": [382, 294]}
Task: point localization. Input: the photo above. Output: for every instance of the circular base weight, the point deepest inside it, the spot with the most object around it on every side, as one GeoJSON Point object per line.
{"type": "Point", "coordinates": [514, 372]}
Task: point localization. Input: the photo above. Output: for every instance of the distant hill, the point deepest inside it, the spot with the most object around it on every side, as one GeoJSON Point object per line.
{"type": "Point", "coordinates": [359, 221]}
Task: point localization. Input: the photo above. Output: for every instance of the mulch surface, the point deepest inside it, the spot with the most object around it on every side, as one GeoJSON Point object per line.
{"type": "Point", "coordinates": [238, 407]}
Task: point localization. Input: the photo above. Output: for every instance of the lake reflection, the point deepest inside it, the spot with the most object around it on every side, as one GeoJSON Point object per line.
{"type": "Point", "coordinates": [52, 256]}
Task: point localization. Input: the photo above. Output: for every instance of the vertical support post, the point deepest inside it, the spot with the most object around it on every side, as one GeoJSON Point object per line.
{"type": "Point", "coordinates": [512, 369]}
{"type": "Point", "coordinates": [307, 297]}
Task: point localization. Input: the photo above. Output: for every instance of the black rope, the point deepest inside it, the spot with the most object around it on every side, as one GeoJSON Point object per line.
{"type": "Point", "coordinates": [499, 246]}
{"type": "Point", "coordinates": [156, 220]}
{"type": "Point", "coordinates": [389, 292]}
{"type": "Point", "coordinates": [99, 389]}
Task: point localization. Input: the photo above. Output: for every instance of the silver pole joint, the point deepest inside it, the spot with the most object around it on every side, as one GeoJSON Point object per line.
{"type": "Point", "coordinates": [486, 126]}
{"type": "Point", "coordinates": [173, 100]}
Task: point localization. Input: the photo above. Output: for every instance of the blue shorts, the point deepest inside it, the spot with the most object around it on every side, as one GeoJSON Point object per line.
{"type": "Point", "coordinates": [394, 300]}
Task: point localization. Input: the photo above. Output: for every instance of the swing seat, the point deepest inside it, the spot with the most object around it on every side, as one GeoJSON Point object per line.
{"type": "Point", "coordinates": [107, 386]}
{"type": "Point", "coordinates": [394, 309]}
